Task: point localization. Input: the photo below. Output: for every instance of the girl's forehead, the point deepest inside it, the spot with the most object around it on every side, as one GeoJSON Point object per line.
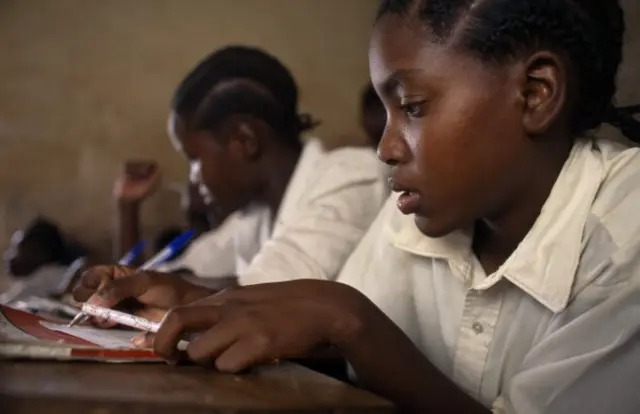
{"type": "Point", "coordinates": [393, 43]}
{"type": "Point", "coordinates": [402, 52]}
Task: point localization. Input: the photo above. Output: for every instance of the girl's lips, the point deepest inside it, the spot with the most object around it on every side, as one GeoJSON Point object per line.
{"type": "Point", "coordinates": [408, 202]}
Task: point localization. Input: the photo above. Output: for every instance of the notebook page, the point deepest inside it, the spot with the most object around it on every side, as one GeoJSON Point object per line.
{"type": "Point", "coordinates": [106, 338]}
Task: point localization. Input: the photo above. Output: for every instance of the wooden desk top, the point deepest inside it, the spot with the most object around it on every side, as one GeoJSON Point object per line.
{"type": "Point", "coordinates": [70, 388]}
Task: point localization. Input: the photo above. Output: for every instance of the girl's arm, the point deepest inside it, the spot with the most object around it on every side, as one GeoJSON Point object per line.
{"type": "Point", "coordinates": [388, 363]}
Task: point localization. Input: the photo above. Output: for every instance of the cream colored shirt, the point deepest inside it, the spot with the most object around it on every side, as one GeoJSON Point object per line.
{"type": "Point", "coordinates": [556, 328]}
{"type": "Point", "coordinates": [330, 202]}
{"type": "Point", "coordinates": [332, 198]}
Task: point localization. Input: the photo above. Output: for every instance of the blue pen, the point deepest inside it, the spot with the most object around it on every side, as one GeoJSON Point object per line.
{"type": "Point", "coordinates": [132, 254]}
{"type": "Point", "coordinates": [165, 254]}
{"type": "Point", "coordinates": [169, 251]}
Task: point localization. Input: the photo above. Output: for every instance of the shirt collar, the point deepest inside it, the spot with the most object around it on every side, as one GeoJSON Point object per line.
{"type": "Point", "coordinates": [545, 263]}
{"type": "Point", "coordinates": [312, 152]}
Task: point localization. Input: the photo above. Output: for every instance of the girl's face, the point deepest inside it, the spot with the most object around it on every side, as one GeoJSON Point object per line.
{"type": "Point", "coordinates": [219, 171]}
{"type": "Point", "coordinates": [454, 135]}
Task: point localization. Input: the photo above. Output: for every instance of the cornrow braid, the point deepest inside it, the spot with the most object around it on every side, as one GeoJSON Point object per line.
{"type": "Point", "coordinates": [589, 32]}
{"type": "Point", "coordinates": [242, 80]}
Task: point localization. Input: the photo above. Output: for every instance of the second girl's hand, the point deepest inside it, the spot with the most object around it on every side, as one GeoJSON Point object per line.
{"type": "Point", "coordinates": [165, 254]}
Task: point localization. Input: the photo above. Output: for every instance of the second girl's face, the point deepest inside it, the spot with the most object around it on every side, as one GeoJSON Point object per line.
{"type": "Point", "coordinates": [454, 134]}
{"type": "Point", "coordinates": [219, 172]}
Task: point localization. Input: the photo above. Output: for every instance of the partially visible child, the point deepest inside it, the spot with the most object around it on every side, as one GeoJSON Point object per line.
{"type": "Point", "coordinates": [138, 181]}
{"type": "Point", "coordinates": [37, 260]}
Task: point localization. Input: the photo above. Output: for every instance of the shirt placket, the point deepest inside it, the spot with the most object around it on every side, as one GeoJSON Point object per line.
{"type": "Point", "coordinates": [478, 324]}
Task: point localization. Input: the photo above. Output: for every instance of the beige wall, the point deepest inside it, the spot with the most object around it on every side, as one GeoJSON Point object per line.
{"type": "Point", "coordinates": [86, 84]}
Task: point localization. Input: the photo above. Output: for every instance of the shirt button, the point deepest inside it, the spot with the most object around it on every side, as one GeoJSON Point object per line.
{"type": "Point", "coordinates": [477, 328]}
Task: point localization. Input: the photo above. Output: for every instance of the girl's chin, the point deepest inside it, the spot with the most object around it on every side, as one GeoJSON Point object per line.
{"type": "Point", "coordinates": [432, 228]}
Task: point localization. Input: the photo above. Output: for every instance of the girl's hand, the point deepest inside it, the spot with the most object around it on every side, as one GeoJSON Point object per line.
{"type": "Point", "coordinates": [108, 286]}
{"type": "Point", "coordinates": [245, 326]}
{"type": "Point", "coordinates": [138, 180]}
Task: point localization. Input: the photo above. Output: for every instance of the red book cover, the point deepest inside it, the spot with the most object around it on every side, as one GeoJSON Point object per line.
{"type": "Point", "coordinates": [24, 335]}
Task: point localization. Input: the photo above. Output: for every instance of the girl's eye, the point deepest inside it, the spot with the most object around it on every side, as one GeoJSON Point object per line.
{"type": "Point", "coordinates": [413, 109]}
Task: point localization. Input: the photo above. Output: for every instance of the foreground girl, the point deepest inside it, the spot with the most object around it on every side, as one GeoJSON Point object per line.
{"type": "Point", "coordinates": [506, 276]}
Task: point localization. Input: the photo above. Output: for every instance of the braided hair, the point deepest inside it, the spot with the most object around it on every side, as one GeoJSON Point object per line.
{"type": "Point", "coordinates": [242, 80]}
{"type": "Point", "coordinates": [589, 32]}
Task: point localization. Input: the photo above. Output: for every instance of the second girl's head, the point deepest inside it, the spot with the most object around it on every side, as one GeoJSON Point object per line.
{"type": "Point", "coordinates": [235, 116]}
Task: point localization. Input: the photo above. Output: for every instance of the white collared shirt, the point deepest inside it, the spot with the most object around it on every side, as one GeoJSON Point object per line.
{"type": "Point", "coordinates": [556, 329]}
{"type": "Point", "coordinates": [330, 201]}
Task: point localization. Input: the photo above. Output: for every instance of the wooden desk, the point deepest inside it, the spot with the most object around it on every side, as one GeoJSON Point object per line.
{"type": "Point", "coordinates": [70, 388]}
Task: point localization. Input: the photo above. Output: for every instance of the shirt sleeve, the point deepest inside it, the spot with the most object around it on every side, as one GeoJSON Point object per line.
{"type": "Point", "coordinates": [588, 361]}
{"type": "Point", "coordinates": [340, 202]}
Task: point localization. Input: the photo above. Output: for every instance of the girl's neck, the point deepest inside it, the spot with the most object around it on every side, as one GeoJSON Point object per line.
{"type": "Point", "coordinates": [497, 237]}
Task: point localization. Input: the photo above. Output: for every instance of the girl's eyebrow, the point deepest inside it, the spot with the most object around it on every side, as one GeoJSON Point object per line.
{"type": "Point", "coordinates": [391, 83]}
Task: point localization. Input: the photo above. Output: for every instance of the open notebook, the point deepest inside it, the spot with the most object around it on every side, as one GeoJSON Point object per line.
{"type": "Point", "coordinates": [24, 335]}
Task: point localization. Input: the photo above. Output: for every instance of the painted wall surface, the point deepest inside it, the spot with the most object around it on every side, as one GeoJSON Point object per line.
{"type": "Point", "coordinates": [85, 85]}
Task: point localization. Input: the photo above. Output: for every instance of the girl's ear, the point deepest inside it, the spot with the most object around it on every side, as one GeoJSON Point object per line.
{"type": "Point", "coordinates": [544, 91]}
{"type": "Point", "coordinates": [245, 139]}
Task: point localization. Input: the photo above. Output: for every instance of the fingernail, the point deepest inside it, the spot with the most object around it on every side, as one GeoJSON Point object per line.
{"type": "Point", "coordinates": [138, 341]}
{"type": "Point", "coordinates": [97, 299]}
